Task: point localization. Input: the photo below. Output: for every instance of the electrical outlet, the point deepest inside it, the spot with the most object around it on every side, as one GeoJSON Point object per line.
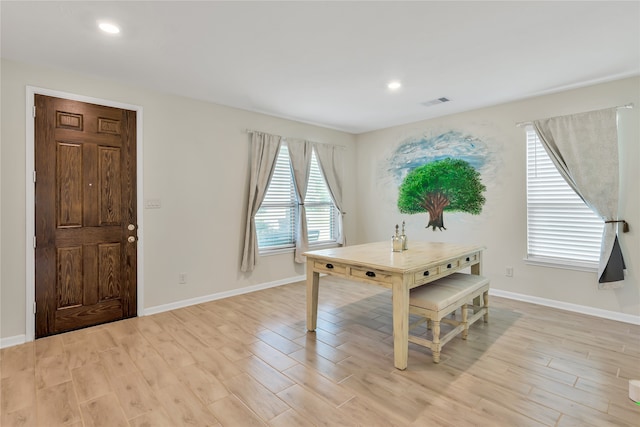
{"type": "Point", "coordinates": [182, 278]}
{"type": "Point", "coordinates": [509, 272]}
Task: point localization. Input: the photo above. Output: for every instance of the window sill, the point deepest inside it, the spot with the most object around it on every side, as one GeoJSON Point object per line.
{"type": "Point", "coordinates": [325, 245]}
{"type": "Point", "coordinates": [278, 251]}
{"type": "Point", "coordinates": [291, 249]}
{"type": "Point", "coordinates": [561, 263]}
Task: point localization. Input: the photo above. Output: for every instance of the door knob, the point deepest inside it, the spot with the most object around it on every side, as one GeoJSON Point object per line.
{"type": "Point", "coordinates": [131, 227]}
{"type": "Point", "coordinates": [131, 239]}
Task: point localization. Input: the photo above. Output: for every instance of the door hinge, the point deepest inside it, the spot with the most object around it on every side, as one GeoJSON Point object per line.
{"type": "Point", "coordinates": [34, 111]}
{"type": "Point", "coordinates": [34, 176]}
{"type": "Point", "coordinates": [34, 307]}
{"type": "Point", "coordinates": [34, 242]}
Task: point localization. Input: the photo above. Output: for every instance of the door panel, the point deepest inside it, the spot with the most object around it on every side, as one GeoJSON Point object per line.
{"type": "Point", "coordinates": [110, 206]}
{"type": "Point", "coordinates": [69, 183]}
{"type": "Point", "coordinates": [109, 271]}
{"type": "Point", "coordinates": [69, 277]}
{"type": "Point", "coordinates": [85, 200]}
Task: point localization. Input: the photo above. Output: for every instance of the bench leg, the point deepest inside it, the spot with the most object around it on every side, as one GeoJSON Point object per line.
{"type": "Point", "coordinates": [436, 341]}
{"type": "Point", "coordinates": [485, 296]}
{"type": "Point", "coordinates": [465, 322]}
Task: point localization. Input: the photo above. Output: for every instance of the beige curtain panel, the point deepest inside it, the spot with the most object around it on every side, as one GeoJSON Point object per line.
{"type": "Point", "coordinates": [584, 148]}
{"type": "Point", "coordinates": [264, 152]}
{"type": "Point", "coordinates": [330, 160]}
{"type": "Point", "coordinates": [300, 153]}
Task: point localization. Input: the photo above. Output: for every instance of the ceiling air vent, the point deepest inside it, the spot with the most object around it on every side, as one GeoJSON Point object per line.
{"type": "Point", "coordinates": [435, 101]}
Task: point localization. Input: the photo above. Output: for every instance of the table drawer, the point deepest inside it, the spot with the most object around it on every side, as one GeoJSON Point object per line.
{"type": "Point", "coordinates": [450, 266]}
{"type": "Point", "coordinates": [469, 259]}
{"type": "Point", "coordinates": [426, 275]}
{"type": "Point", "coordinates": [330, 267]}
{"type": "Point", "coordinates": [372, 275]}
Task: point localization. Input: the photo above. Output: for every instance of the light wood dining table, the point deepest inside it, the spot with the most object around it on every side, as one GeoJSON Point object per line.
{"type": "Point", "coordinates": [377, 264]}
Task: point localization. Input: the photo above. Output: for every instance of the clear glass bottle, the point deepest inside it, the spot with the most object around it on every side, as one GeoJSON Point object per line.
{"type": "Point", "coordinates": [403, 237]}
{"type": "Point", "coordinates": [396, 241]}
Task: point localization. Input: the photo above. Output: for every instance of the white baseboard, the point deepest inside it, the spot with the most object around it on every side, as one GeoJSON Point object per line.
{"type": "Point", "coordinates": [606, 314]}
{"type": "Point", "coordinates": [583, 309]}
{"type": "Point", "coordinates": [21, 339]}
{"type": "Point", "coordinates": [220, 295]}
{"type": "Point", "coordinates": [11, 341]}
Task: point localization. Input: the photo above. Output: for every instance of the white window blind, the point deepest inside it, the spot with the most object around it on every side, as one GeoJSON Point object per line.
{"type": "Point", "coordinates": [275, 220]}
{"type": "Point", "coordinates": [321, 212]}
{"type": "Point", "coordinates": [561, 229]}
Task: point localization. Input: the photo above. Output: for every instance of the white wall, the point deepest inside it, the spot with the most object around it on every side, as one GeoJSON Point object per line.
{"type": "Point", "coordinates": [196, 161]}
{"type": "Point", "coordinates": [196, 158]}
{"type": "Point", "coordinates": [502, 224]}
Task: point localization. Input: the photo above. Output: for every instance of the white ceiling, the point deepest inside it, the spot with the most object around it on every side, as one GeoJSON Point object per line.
{"type": "Point", "coordinates": [328, 63]}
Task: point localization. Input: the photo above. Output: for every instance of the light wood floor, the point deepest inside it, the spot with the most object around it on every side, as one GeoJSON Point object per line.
{"type": "Point", "coordinates": [248, 361]}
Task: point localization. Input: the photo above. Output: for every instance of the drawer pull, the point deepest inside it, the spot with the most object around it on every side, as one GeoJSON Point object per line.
{"type": "Point", "coordinates": [426, 273]}
{"type": "Point", "coordinates": [448, 265]}
{"type": "Point", "coordinates": [370, 274]}
{"type": "Point", "coordinates": [329, 266]}
{"type": "Point", "coordinates": [468, 259]}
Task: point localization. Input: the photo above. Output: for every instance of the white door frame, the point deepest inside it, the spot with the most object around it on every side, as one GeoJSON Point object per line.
{"type": "Point", "coordinates": [30, 198]}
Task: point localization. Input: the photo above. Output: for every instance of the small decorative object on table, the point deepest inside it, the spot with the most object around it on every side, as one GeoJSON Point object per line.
{"type": "Point", "coordinates": [403, 236]}
{"type": "Point", "coordinates": [396, 241]}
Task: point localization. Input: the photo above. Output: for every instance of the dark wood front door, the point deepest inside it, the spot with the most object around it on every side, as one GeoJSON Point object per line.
{"type": "Point", "coordinates": [85, 214]}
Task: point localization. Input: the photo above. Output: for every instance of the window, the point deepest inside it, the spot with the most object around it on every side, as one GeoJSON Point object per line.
{"type": "Point", "coordinates": [321, 212]}
{"type": "Point", "coordinates": [275, 220]}
{"type": "Point", "coordinates": [561, 229]}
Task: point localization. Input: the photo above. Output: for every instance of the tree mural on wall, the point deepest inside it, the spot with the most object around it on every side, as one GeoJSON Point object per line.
{"type": "Point", "coordinates": [451, 185]}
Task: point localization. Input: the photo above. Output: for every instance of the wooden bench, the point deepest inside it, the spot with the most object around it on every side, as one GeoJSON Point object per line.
{"type": "Point", "coordinates": [442, 297]}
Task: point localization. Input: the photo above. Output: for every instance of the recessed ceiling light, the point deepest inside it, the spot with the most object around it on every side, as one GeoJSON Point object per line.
{"type": "Point", "coordinates": [394, 85]}
{"type": "Point", "coordinates": [108, 27]}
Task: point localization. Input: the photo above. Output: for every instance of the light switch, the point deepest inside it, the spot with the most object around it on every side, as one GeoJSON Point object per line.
{"type": "Point", "coordinates": [152, 204]}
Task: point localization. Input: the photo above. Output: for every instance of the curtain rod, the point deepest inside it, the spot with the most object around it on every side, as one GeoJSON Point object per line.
{"type": "Point", "coordinates": [284, 137]}
{"type": "Point", "coordinates": [628, 106]}
{"type": "Point", "coordinates": [254, 131]}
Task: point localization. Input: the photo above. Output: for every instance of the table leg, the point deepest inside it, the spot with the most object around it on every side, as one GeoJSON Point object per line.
{"type": "Point", "coordinates": [313, 281]}
{"type": "Point", "coordinates": [477, 269]}
{"type": "Point", "coordinates": [400, 295]}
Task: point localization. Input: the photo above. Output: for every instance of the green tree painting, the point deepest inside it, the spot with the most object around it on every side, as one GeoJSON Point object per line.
{"type": "Point", "coordinates": [450, 185]}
